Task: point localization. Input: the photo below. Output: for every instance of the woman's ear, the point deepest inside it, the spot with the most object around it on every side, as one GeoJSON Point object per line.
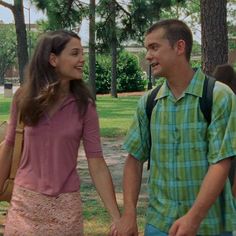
{"type": "Point", "coordinates": [53, 59]}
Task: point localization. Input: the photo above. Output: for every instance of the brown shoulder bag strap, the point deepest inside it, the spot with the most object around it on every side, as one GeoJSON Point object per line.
{"type": "Point", "coordinates": [17, 151]}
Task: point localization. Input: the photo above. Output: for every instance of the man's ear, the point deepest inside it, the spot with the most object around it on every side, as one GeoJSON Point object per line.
{"type": "Point", "coordinates": [53, 59]}
{"type": "Point", "coordinates": [181, 47]}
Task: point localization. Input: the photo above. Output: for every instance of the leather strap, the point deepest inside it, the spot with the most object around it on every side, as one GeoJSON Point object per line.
{"type": "Point", "coordinates": [17, 151]}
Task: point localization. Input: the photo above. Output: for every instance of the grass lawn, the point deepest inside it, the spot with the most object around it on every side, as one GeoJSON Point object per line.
{"type": "Point", "coordinates": [4, 107]}
{"type": "Point", "coordinates": [115, 114]}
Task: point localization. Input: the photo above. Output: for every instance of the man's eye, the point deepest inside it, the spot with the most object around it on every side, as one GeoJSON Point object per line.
{"type": "Point", "coordinates": [155, 47]}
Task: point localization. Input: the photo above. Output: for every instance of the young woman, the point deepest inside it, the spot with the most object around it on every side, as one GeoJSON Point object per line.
{"type": "Point", "coordinates": [58, 112]}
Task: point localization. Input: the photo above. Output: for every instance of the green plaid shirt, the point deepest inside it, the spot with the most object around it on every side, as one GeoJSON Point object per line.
{"type": "Point", "coordinates": [183, 147]}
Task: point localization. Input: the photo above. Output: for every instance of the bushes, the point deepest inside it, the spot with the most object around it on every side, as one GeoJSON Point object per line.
{"type": "Point", "coordinates": [129, 75]}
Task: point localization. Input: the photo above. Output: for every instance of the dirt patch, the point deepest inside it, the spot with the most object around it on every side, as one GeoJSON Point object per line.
{"type": "Point", "coordinates": [115, 157]}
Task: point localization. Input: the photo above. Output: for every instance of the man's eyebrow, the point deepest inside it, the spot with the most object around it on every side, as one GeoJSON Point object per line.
{"type": "Point", "coordinates": [152, 45]}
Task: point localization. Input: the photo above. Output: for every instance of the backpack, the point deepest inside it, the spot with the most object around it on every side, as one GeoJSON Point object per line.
{"type": "Point", "coordinates": [205, 103]}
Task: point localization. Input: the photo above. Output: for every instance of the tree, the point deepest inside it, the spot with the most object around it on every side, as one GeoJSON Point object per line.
{"type": "Point", "coordinates": [108, 35]}
{"type": "Point", "coordinates": [62, 14]}
{"type": "Point", "coordinates": [113, 48]}
{"type": "Point", "coordinates": [126, 21]}
{"type": "Point", "coordinates": [214, 34]}
{"type": "Point", "coordinates": [22, 53]}
{"type": "Point", "coordinates": [143, 13]}
{"type": "Point", "coordinates": [92, 48]}
{"type": "Point", "coordinates": [7, 50]}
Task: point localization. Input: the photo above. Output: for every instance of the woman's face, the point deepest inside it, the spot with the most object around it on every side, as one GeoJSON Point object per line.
{"type": "Point", "coordinates": [69, 64]}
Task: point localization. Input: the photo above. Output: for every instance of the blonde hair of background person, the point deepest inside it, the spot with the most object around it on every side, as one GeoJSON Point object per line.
{"type": "Point", "coordinates": [58, 113]}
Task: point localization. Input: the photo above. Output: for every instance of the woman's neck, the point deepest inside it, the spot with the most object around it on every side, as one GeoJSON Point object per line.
{"type": "Point", "coordinates": [64, 89]}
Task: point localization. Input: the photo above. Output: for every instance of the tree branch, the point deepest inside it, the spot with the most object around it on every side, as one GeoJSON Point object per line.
{"type": "Point", "coordinates": [7, 5]}
{"type": "Point", "coordinates": [122, 9]}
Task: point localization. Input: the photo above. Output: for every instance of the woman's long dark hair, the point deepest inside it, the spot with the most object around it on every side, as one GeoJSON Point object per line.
{"type": "Point", "coordinates": [41, 87]}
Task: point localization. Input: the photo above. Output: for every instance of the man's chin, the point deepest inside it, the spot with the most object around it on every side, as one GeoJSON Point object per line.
{"type": "Point", "coordinates": [156, 73]}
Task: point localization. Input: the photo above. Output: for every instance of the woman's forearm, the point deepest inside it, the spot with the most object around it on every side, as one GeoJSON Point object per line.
{"type": "Point", "coordinates": [103, 182]}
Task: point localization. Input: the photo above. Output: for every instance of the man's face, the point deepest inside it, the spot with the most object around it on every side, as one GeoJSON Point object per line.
{"type": "Point", "coordinates": [160, 54]}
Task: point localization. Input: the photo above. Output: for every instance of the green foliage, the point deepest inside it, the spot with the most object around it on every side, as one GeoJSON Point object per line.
{"type": "Point", "coordinates": [129, 75]}
{"type": "Point", "coordinates": [62, 13]}
{"type": "Point", "coordinates": [33, 37]}
{"type": "Point", "coordinates": [110, 28]}
{"type": "Point", "coordinates": [143, 13]}
{"type": "Point", "coordinates": [231, 14]}
{"type": "Point", "coordinates": [196, 50]}
{"type": "Point", "coordinates": [7, 50]}
{"type": "Point", "coordinates": [196, 63]}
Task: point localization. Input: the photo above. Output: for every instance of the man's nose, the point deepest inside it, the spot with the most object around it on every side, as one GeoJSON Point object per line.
{"type": "Point", "coordinates": [148, 56]}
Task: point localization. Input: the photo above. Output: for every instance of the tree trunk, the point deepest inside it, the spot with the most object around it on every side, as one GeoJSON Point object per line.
{"type": "Point", "coordinates": [214, 34]}
{"type": "Point", "coordinates": [92, 53]}
{"type": "Point", "coordinates": [22, 52]}
{"type": "Point", "coordinates": [113, 51]}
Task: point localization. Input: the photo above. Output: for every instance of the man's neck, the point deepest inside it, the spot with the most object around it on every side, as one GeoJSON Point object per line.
{"type": "Point", "coordinates": [180, 80]}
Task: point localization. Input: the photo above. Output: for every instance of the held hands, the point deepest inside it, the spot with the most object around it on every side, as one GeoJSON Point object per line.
{"type": "Point", "coordinates": [184, 226]}
{"type": "Point", "coordinates": [126, 226]}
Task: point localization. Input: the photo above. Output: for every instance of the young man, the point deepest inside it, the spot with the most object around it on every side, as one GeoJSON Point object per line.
{"type": "Point", "coordinates": [189, 192]}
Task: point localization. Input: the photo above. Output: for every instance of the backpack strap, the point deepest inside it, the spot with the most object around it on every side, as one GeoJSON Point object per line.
{"type": "Point", "coordinates": [151, 102]}
{"type": "Point", "coordinates": [206, 100]}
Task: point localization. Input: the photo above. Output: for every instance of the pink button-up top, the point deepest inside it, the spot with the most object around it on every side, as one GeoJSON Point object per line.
{"type": "Point", "coordinates": [49, 158]}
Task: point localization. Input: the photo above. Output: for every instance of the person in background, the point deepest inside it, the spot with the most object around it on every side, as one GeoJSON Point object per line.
{"type": "Point", "coordinates": [225, 73]}
{"type": "Point", "coordinates": [188, 187]}
{"type": "Point", "coordinates": [58, 112]}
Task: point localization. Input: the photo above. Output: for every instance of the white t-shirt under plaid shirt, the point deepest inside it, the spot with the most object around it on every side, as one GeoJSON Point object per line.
{"type": "Point", "coordinates": [183, 147]}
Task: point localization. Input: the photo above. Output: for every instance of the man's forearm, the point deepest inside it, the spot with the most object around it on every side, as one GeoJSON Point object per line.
{"type": "Point", "coordinates": [131, 183]}
{"type": "Point", "coordinates": [211, 188]}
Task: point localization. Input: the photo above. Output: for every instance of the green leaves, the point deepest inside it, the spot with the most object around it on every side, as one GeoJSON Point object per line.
{"type": "Point", "coordinates": [7, 49]}
{"type": "Point", "coordinates": [63, 13]}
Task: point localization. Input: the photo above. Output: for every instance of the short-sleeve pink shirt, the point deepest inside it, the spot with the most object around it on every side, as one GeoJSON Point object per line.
{"type": "Point", "coordinates": [49, 158]}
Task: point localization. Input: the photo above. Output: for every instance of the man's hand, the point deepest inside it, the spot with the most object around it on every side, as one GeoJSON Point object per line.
{"type": "Point", "coordinates": [184, 226]}
{"type": "Point", "coordinates": [126, 226]}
